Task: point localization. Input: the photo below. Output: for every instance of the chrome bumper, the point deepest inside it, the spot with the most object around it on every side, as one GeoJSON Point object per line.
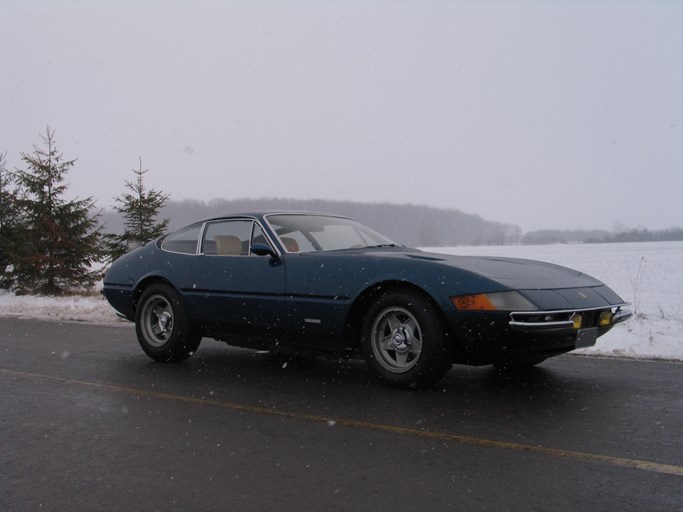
{"type": "Point", "coordinates": [564, 320]}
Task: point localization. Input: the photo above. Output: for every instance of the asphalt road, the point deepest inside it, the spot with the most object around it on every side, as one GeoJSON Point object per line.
{"type": "Point", "coordinates": [88, 422]}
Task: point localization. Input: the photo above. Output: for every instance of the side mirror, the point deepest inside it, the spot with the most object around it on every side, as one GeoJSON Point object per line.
{"type": "Point", "coordinates": [264, 250]}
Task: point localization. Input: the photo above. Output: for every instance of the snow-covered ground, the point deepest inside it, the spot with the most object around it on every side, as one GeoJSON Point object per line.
{"type": "Point", "coordinates": [93, 309]}
{"type": "Point", "coordinates": [649, 275]}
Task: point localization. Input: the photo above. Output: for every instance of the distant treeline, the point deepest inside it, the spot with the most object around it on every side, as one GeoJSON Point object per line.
{"type": "Point", "coordinates": [551, 236]}
{"type": "Point", "coordinates": [641, 235]}
{"type": "Point", "coordinates": [412, 225]}
{"type": "Point", "coordinates": [557, 236]}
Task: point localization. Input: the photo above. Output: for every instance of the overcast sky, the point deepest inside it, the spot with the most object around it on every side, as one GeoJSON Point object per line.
{"type": "Point", "coordinates": [542, 114]}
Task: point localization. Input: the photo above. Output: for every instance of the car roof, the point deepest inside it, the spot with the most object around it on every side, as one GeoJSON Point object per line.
{"type": "Point", "coordinates": [259, 214]}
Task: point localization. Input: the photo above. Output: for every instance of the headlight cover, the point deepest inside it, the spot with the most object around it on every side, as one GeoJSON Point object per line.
{"type": "Point", "coordinates": [498, 301]}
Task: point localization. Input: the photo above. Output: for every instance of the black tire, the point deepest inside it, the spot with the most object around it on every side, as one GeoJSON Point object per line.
{"type": "Point", "coordinates": [163, 329]}
{"type": "Point", "coordinates": [404, 341]}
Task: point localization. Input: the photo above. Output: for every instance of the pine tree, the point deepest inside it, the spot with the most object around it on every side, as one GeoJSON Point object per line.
{"type": "Point", "coordinates": [139, 208]}
{"type": "Point", "coordinates": [61, 237]}
{"type": "Point", "coordinates": [10, 224]}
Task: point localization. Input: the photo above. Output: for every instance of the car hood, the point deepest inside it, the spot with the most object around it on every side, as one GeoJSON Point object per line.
{"type": "Point", "coordinates": [521, 273]}
{"type": "Point", "coordinates": [547, 285]}
{"type": "Point", "coordinates": [513, 272]}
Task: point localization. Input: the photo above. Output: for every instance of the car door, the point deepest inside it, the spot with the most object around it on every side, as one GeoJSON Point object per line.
{"type": "Point", "coordinates": [317, 298]}
{"type": "Point", "coordinates": [235, 291]}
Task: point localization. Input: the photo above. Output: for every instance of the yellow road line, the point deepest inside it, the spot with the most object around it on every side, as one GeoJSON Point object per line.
{"type": "Point", "coordinates": [656, 467]}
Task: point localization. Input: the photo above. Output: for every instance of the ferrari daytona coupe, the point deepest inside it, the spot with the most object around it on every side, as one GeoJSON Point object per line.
{"type": "Point", "coordinates": [321, 284]}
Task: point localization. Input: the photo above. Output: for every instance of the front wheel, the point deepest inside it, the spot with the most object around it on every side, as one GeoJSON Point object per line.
{"type": "Point", "coordinates": [163, 330]}
{"type": "Point", "coordinates": [404, 342]}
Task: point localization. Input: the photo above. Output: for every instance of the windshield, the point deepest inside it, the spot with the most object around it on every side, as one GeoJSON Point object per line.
{"type": "Point", "coordinates": [309, 233]}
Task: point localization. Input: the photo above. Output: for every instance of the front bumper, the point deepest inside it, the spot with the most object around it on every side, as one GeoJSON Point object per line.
{"type": "Point", "coordinates": [485, 337]}
{"type": "Point", "coordinates": [569, 320]}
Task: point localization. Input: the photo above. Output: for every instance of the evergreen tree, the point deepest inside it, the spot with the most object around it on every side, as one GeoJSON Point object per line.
{"type": "Point", "coordinates": [61, 237]}
{"type": "Point", "coordinates": [139, 208]}
{"type": "Point", "coordinates": [10, 224]}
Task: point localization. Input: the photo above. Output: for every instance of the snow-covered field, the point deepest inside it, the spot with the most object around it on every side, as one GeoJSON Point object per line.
{"type": "Point", "coordinates": [649, 275]}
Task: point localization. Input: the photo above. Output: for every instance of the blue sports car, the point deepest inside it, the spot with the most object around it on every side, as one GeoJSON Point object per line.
{"type": "Point", "coordinates": [319, 284]}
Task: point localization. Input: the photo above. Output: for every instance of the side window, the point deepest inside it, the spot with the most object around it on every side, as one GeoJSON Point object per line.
{"type": "Point", "coordinates": [183, 241]}
{"type": "Point", "coordinates": [258, 237]}
{"type": "Point", "coordinates": [228, 238]}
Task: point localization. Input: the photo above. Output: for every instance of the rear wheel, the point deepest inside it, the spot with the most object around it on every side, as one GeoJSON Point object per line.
{"type": "Point", "coordinates": [163, 329]}
{"type": "Point", "coordinates": [404, 342]}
